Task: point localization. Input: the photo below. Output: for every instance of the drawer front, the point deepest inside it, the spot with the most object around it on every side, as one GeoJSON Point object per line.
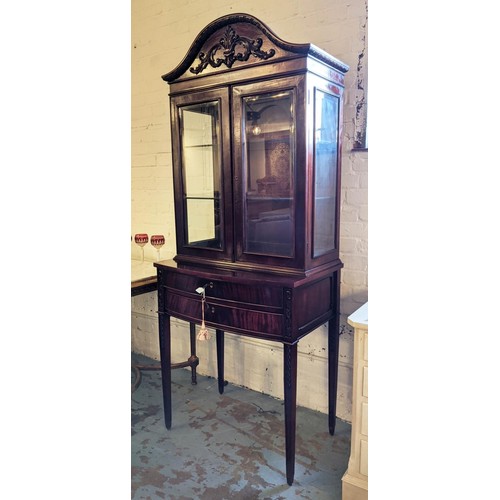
{"type": "Point", "coordinates": [259, 295]}
{"type": "Point", "coordinates": [251, 322]}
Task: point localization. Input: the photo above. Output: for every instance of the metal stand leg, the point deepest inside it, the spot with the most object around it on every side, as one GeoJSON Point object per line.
{"type": "Point", "coordinates": [193, 359]}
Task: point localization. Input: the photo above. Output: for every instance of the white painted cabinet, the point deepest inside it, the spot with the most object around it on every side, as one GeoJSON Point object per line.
{"type": "Point", "coordinates": [355, 480]}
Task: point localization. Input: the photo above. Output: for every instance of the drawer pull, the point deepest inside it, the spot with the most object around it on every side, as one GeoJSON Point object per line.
{"type": "Point", "coordinates": [201, 289]}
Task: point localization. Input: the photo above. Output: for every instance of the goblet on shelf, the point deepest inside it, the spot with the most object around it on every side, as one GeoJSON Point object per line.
{"type": "Point", "coordinates": [158, 240]}
{"type": "Point", "coordinates": [141, 239]}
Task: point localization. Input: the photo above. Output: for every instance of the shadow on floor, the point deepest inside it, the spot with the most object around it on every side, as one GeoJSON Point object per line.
{"type": "Point", "coordinates": [228, 446]}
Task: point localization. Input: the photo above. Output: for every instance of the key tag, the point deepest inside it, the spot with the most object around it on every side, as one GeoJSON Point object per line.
{"type": "Point", "coordinates": [203, 333]}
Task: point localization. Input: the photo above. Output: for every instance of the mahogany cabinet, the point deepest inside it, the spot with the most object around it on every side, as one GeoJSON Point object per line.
{"type": "Point", "coordinates": [256, 127]}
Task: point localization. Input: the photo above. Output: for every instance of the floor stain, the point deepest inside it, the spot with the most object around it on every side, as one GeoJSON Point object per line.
{"type": "Point", "coordinates": [229, 446]}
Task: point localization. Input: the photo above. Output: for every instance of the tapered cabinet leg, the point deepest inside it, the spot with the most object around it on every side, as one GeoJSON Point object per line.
{"type": "Point", "coordinates": [219, 338]}
{"type": "Point", "coordinates": [290, 386]}
{"type": "Point", "coordinates": [333, 356]}
{"type": "Point", "coordinates": [165, 361]}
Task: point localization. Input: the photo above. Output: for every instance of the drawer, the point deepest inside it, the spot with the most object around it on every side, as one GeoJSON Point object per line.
{"type": "Point", "coordinates": [231, 318]}
{"type": "Point", "coordinates": [224, 290]}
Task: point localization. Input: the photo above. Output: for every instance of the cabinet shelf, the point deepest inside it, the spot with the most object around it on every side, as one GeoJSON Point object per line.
{"type": "Point", "coordinates": [199, 146]}
{"type": "Point", "coordinates": [257, 197]}
{"type": "Point", "coordinates": [187, 197]}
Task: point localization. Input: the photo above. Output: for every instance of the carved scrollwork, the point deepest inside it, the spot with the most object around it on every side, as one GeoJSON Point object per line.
{"type": "Point", "coordinates": [233, 48]}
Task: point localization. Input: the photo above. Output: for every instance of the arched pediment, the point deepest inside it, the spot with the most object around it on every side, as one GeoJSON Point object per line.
{"type": "Point", "coordinates": [239, 40]}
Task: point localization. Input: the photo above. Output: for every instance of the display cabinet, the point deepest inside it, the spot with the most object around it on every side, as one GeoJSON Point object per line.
{"type": "Point", "coordinates": [256, 127]}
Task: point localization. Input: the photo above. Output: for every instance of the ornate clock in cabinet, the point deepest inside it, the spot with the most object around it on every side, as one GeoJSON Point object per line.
{"type": "Point", "coordinates": [256, 142]}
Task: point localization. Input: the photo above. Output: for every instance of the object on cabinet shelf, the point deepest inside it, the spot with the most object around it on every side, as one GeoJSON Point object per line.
{"type": "Point", "coordinates": [256, 144]}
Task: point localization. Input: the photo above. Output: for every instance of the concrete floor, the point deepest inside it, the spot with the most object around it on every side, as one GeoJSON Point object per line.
{"type": "Point", "coordinates": [228, 446]}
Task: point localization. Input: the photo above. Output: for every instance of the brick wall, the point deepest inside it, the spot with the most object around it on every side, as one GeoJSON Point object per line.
{"type": "Point", "coordinates": [162, 33]}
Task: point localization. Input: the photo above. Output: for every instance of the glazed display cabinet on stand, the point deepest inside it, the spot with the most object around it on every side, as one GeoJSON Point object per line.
{"type": "Point", "coordinates": [256, 142]}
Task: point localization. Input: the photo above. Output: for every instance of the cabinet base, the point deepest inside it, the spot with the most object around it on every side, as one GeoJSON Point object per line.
{"type": "Point", "coordinates": [354, 488]}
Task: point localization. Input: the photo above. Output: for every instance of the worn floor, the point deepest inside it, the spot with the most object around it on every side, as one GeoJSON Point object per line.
{"type": "Point", "coordinates": [228, 446]}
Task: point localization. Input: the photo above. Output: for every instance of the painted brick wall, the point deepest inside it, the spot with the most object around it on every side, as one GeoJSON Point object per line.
{"type": "Point", "coordinates": [162, 32]}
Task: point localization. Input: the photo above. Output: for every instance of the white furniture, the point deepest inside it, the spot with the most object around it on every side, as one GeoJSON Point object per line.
{"type": "Point", "coordinates": [355, 480]}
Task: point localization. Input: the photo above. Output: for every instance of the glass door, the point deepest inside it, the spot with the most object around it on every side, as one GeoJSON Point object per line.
{"type": "Point", "coordinates": [199, 173]}
{"type": "Point", "coordinates": [265, 116]}
{"type": "Point", "coordinates": [268, 159]}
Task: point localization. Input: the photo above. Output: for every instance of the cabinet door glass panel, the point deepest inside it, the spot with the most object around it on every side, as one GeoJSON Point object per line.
{"type": "Point", "coordinates": [268, 169]}
{"type": "Point", "coordinates": [326, 112]}
{"type": "Point", "coordinates": [201, 173]}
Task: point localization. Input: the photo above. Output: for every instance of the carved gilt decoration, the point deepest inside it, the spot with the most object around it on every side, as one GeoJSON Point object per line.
{"type": "Point", "coordinates": [233, 48]}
